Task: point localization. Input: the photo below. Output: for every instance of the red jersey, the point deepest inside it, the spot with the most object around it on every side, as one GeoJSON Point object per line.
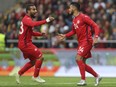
{"type": "Point", "coordinates": [82, 28]}
{"type": "Point", "coordinates": [26, 30]}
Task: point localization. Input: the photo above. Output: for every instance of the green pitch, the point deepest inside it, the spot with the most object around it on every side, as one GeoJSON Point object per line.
{"type": "Point", "coordinates": [6, 81]}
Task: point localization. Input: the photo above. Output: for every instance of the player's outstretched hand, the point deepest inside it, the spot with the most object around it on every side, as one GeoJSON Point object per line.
{"type": "Point", "coordinates": [61, 37]}
{"type": "Point", "coordinates": [49, 19]}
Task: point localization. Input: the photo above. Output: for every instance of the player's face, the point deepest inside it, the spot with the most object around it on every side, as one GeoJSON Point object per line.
{"type": "Point", "coordinates": [33, 11]}
{"type": "Point", "coordinates": [71, 9]}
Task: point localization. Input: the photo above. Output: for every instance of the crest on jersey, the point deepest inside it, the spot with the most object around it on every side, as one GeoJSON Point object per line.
{"type": "Point", "coordinates": [78, 21]}
{"type": "Point", "coordinates": [35, 49]}
{"type": "Point", "coordinates": [76, 24]}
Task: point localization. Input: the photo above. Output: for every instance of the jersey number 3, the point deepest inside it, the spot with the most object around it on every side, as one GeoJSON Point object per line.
{"type": "Point", "coordinates": [21, 29]}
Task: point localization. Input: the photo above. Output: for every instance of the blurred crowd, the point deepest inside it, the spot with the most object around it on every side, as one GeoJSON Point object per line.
{"type": "Point", "coordinates": [103, 12]}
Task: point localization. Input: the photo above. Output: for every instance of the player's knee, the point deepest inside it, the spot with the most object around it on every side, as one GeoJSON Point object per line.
{"type": "Point", "coordinates": [41, 58]}
{"type": "Point", "coordinates": [84, 60]}
{"type": "Point", "coordinates": [33, 62]}
{"type": "Point", "coordinates": [78, 58]}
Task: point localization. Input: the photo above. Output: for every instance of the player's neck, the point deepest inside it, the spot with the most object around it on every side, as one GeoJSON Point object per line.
{"type": "Point", "coordinates": [28, 15]}
{"type": "Point", "coordinates": [76, 14]}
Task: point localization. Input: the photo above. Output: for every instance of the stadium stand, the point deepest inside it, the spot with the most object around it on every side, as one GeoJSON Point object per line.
{"type": "Point", "coordinates": [103, 12]}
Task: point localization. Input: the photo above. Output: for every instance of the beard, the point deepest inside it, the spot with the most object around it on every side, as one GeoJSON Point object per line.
{"type": "Point", "coordinates": [33, 16]}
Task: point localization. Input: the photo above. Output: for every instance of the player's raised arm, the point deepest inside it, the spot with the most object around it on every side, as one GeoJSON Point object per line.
{"type": "Point", "coordinates": [31, 23]}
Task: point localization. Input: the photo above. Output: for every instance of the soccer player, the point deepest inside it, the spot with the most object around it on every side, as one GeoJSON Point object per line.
{"type": "Point", "coordinates": [81, 26]}
{"type": "Point", "coordinates": [29, 50]}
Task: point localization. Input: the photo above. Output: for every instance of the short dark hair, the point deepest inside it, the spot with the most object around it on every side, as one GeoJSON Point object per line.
{"type": "Point", "coordinates": [76, 4]}
{"type": "Point", "coordinates": [28, 7]}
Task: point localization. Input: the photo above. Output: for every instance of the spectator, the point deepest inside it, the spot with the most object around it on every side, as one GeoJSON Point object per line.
{"type": "Point", "coordinates": [102, 10]}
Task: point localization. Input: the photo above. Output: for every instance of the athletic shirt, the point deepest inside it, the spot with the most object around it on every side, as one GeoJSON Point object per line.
{"type": "Point", "coordinates": [82, 26]}
{"type": "Point", "coordinates": [26, 30]}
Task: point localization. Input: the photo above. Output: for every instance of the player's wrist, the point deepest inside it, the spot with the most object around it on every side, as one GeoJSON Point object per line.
{"type": "Point", "coordinates": [42, 34]}
{"type": "Point", "coordinates": [65, 35]}
{"type": "Point", "coordinates": [48, 20]}
{"type": "Point", "coordinates": [96, 36]}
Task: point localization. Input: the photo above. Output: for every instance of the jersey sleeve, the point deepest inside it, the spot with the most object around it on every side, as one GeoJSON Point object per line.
{"type": "Point", "coordinates": [36, 34]}
{"type": "Point", "coordinates": [91, 23]}
{"type": "Point", "coordinates": [71, 33]}
{"type": "Point", "coordinates": [31, 23]}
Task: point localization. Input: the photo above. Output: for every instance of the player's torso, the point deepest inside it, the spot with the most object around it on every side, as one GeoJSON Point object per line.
{"type": "Point", "coordinates": [25, 33]}
{"type": "Point", "coordinates": [83, 31]}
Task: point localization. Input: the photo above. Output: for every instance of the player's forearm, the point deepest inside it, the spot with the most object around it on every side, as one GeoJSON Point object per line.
{"type": "Point", "coordinates": [96, 28]}
{"type": "Point", "coordinates": [71, 33]}
{"type": "Point", "coordinates": [37, 34]}
{"type": "Point", "coordinates": [97, 31]}
{"type": "Point", "coordinates": [37, 23]}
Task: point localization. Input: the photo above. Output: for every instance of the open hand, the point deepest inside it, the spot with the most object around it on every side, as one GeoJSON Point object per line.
{"type": "Point", "coordinates": [44, 35]}
{"type": "Point", "coordinates": [61, 37]}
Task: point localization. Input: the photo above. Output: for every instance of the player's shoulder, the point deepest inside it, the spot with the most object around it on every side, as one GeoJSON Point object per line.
{"type": "Point", "coordinates": [26, 18]}
{"type": "Point", "coordinates": [84, 15]}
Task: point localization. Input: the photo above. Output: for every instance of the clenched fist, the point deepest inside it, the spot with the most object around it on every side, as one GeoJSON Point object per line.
{"type": "Point", "coordinates": [49, 19]}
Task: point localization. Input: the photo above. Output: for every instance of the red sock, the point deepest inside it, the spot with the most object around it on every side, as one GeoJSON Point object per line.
{"type": "Point", "coordinates": [25, 68]}
{"type": "Point", "coordinates": [90, 70]}
{"type": "Point", "coordinates": [81, 68]}
{"type": "Point", "coordinates": [37, 67]}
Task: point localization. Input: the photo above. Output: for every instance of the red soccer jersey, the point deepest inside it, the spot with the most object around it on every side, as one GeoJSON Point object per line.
{"type": "Point", "coordinates": [26, 30]}
{"type": "Point", "coordinates": [81, 27]}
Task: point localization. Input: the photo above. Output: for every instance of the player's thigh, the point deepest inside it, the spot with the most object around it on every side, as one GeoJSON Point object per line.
{"type": "Point", "coordinates": [88, 55]}
{"type": "Point", "coordinates": [84, 50]}
{"type": "Point", "coordinates": [79, 57]}
{"type": "Point", "coordinates": [32, 52]}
